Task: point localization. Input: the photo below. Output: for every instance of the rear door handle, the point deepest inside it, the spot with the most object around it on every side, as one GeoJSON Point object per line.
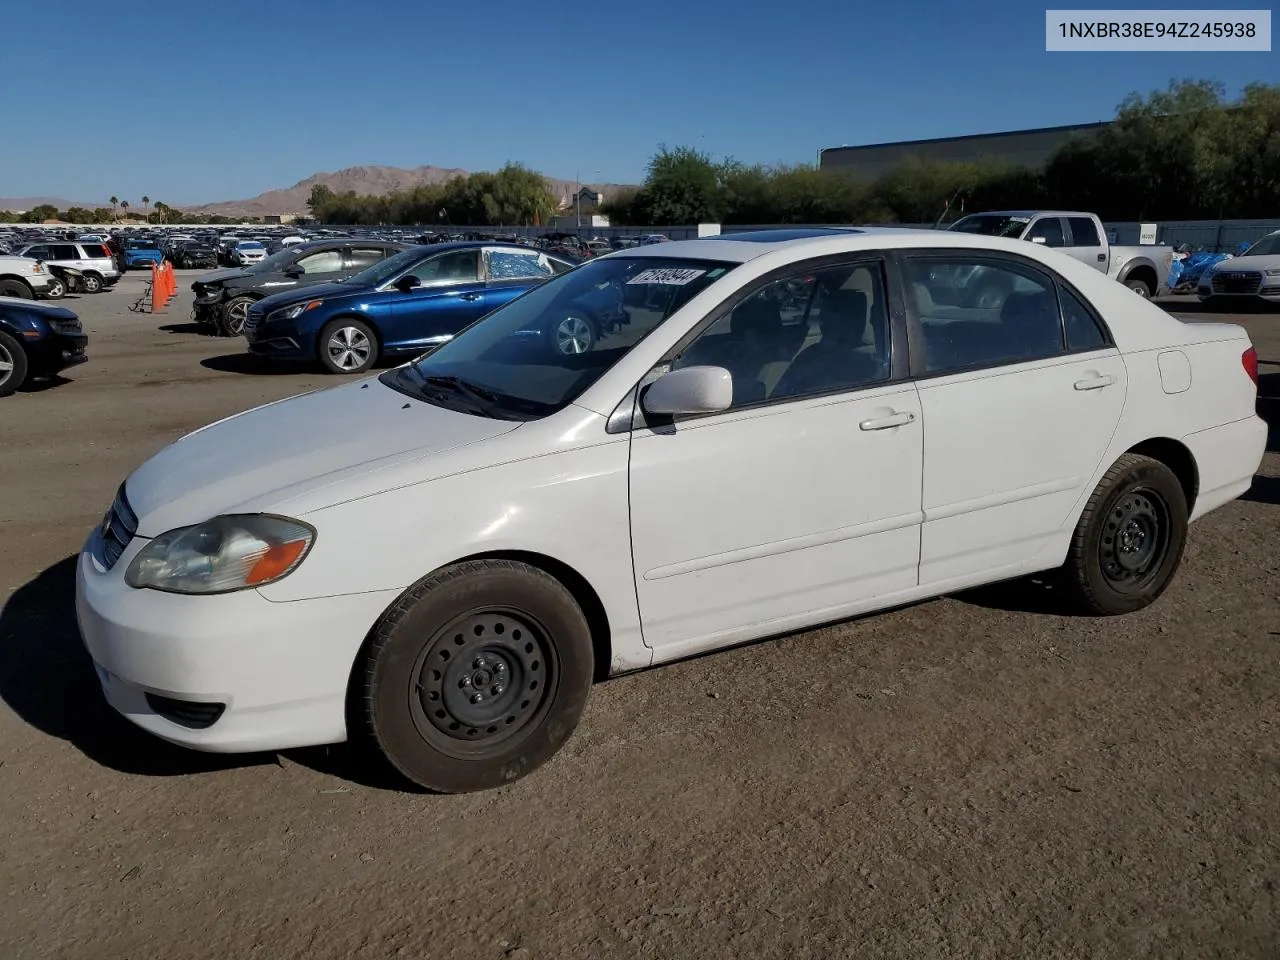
{"type": "Point", "coordinates": [471, 296]}
{"type": "Point", "coordinates": [1095, 383]}
{"type": "Point", "coordinates": [1102, 257]}
{"type": "Point", "coordinates": [885, 423]}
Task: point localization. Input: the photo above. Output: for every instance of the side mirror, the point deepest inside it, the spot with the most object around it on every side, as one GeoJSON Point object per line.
{"type": "Point", "coordinates": [407, 283]}
{"type": "Point", "coordinates": [690, 390]}
{"type": "Point", "coordinates": [1038, 239]}
{"type": "Point", "coordinates": [293, 270]}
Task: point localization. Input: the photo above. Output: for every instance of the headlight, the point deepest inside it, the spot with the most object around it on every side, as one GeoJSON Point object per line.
{"type": "Point", "coordinates": [222, 555]}
{"type": "Point", "coordinates": [1273, 272]}
{"type": "Point", "coordinates": [297, 309]}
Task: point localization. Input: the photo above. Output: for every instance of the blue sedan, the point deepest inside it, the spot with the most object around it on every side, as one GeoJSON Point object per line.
{"type": "Point", "coordinates": [412, 302]}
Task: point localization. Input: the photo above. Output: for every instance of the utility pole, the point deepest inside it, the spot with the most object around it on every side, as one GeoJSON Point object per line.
{"type": "Point", "coordinates": [577, 198]}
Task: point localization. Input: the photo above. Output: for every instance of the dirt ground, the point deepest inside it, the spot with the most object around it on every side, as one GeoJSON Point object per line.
{"type": "Point", "coordinates": [973, 777]}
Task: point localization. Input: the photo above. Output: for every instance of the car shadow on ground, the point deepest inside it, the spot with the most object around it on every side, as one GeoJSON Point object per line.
{"type": "Point", "coordinates": [48, 680]}
{"type": "Point", "coordinates": [43, 383]}
{"type": "Point", "coordinates": [251, 365]}
{"type": "Point", "coordinates": [201, 329]}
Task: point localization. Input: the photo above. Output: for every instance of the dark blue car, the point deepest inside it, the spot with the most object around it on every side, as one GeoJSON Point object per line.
{"type": "Point", "coordinates": [413, 301]}
{"type": "Point", "coordinates": [36, 340]}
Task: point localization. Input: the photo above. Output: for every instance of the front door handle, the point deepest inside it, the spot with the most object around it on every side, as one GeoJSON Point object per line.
{"type": "Point", "coordinates": [1095, 383]}
{"type": "Point", "coordinates": [885, 423]}
{"type": "Point", "coordinates": [470, 296]}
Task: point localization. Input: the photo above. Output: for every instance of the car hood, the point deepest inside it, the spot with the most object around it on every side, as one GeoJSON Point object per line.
{"type": "Point", "coordinates": [1269, 262]}
{"type": "Point", "coordinates": [317, 291]}
{"type": "Point", "coordinates": [221, 276]}
{"type": "Point", "coordinates": [35, 308]}
{"type": "Point", "coordinates": [255, 460]}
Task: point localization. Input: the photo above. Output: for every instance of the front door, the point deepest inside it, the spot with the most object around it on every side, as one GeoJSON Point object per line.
{"type": "Point", "coordinates": [1020, 402]}
{"type": "Point", "coordinates": [449, 296]}
{"type": "Point", "coordinates": [802, 501]}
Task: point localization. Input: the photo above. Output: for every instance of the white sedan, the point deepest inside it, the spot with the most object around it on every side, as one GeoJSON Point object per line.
{"type": "Point", "coordinates": [783, 429]}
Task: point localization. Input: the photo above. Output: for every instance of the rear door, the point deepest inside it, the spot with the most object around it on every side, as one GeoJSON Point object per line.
{"type": "Point", "coordinates": [1019, 401]}
{"type": "Point", "coordinates": [449, 296]}
{"type": "Point", "coordinates": [67, 255]}
{"type": "Point", "coordinates": [319, 266]}
{"type": "Point", "coordinates": [1086, 243]}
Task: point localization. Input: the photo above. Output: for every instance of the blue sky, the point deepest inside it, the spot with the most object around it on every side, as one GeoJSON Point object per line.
{"type": "Point", "coordinates": [195, 102]}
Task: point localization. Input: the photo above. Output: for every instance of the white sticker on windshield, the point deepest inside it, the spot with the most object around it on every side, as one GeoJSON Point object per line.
{"type": "Point", "coordinates": [1019, 219]}
{"type": "Point", "coordinates": [671, 276]}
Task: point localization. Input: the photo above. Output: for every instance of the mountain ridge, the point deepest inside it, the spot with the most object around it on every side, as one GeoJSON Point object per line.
{"type": "Point", "coordinates": [368, 179]}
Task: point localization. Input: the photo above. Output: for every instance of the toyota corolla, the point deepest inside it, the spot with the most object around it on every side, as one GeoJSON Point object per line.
{"type": "Point", "coordinates": [795, 427]}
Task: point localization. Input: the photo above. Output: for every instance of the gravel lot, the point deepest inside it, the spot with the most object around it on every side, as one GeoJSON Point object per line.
{"type": "Point", "coordinates": [972, 777]}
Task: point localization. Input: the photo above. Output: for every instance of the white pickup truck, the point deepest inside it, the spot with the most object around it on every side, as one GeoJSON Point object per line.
{"type": "Point", "coordinates": [1144, 269]}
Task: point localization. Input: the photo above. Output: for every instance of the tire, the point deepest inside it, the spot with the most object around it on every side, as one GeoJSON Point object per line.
{"type": "Point", "coordinates": [1141, 288]}
{"type": "Point", "coordinates": [16, 288]}
{"type": "Point", "coordinates": [575, 334]}
{"type": "Point", "coordinates": [56, 289]}
{"type": "Point", "coordinates": [347, 345]}
{"type": "Point", "coordinates": [13, 365]}
{"type": "Point", "coordinates": [92, 283]}
{"type": "Point", "coordinates": [1129, 540]}
{"type": "Point", "coordinates": [455, 637]}
{"type": "Point", "coordinates": [232, 316]}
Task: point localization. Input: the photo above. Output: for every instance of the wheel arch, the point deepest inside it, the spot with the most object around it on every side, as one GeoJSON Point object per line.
{"type": "Point", "coordinates": [1178, 458]}
{"type": "Point", "coordinates": [378, 339]}
{"type": "Point", "coordinates": [1141, 269]}
{"type": "Point", "coordinates": [17, 279]}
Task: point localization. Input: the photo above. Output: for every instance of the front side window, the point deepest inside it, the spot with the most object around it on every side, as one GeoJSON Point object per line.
{"type": "Point", "coordinates": [516, 265]}
{"type": "Point", "coordinates": [1050, 228]}
{"type": "Point", "coordinates": [540, 351]}
{"type": "Point", "coordinates": [803, 335]}
{"type": "Point", "coordinates": [39, 253]}
{"type": "Point", "coordinates": [326, 261]}
{"type": "Point", "coordinates": [1012, 317]}
{"type": "Point", "coordinates": [459, 266]}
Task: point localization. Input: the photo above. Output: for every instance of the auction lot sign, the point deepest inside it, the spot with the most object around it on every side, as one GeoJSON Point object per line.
{"type": "Point", "coordinates": [1153, 31]}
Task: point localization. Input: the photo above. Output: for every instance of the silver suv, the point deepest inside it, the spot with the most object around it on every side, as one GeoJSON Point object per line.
{"type": "Point", "coordinates": [94, 260]}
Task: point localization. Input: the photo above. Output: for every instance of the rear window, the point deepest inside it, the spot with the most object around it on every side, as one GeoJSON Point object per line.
{"type": "Point", "coordinates": [93, 251]}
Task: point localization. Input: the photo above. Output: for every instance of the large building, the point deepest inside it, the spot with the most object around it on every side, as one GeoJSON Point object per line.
{"type": "Point", "coordinates": [1025, 148]}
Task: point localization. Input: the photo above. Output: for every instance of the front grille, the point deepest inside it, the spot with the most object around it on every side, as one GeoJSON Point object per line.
{"type": "Point", "coordinates": [117, 529]}
{"type": "Point", "coordinates": [1227, 281]}
{"type": "Point", "coordinates": [186, 713]}
{"type": "Point", "coordinates": [70, 328]}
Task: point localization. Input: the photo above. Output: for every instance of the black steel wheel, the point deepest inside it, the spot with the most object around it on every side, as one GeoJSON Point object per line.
{"type": "Point", "coordinates": [1129, 540]}
{"type": "Point", "coordinates": [476, 676]}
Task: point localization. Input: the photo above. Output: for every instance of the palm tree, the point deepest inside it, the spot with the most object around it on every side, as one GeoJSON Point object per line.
{"type": "Point", "coordinates": [124, 205]}
{"type": "Point", "coordinates": [115, 202]}
{"type": "Point", "coordinates": [145, 201]}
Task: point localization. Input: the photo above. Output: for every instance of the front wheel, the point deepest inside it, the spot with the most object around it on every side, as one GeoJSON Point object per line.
{"type": "Point", "coordinates": [16, 288]}
{"type": "Point", "coordinates": [92, 283]}
{"type": "Point", "coordinates": [348, 346]}
{"type": "Point", "coordinates": [234, 313]}
{"type": "Point", "coordinates": [477, 676]}
{"type": "Point", "coordinates": [13, 364]}
{"type": "Point", "coordinates": [56, 289]}
{"type": "Point", "coordinates": [1129, 540]}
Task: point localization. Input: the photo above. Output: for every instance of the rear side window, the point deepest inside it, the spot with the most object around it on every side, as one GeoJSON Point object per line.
{"type": "Point", "coordinates": [65, 251]}
{"type": "Point", "coordinates": [360, 257]}
{"type": "Point", "coordinates": [516, 265]}
{"type": "Point", "coordinates": [1083, 332]}
{"type": "Point", "coordinates": [1083, 232]}
{"type": "Point", "coordinates": [95, 251]}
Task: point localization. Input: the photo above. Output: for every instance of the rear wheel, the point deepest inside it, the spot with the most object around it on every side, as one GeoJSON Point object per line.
{"type": "Point", "coordinates": [1141, 287]}
{"type": "Point", "coordinates": [1129, 540]}
{"type": "Point", "coordinates": [13, 365]}
{"type": "Point", "coordinates": [477, 676]}
{"type": "Point", "coordinates": [234, 313]}
{"type": "Point", "coordinates": [348, 346]}
{"type": "Point", "coordinates": [16, 288]}
{"type": "Point", "coordinates": [92, 283]}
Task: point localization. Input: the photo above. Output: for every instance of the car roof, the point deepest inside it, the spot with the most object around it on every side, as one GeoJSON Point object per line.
{"type": "Point", "coordinates": [1028, 213]}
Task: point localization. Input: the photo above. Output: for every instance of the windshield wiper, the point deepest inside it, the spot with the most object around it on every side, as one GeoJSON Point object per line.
{"type": "Point", "coordinates": [461, 386]}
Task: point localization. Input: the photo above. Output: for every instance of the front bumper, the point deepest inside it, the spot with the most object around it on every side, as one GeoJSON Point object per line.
{"type": "Point", "coordinates": [55, 352]}
{"type": "Point", "coordinates": [278, 670]}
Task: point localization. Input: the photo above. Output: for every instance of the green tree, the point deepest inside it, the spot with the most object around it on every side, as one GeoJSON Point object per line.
{"type": "Point", "coordinates": [682, 186]}
{"type": "Point", "coordinates": [145, 202]}
{"type": "Point", "coordinates": [101, 215]}
{"type": "Point", "coordinates": [46, 211]}
{"type": "Point", "coordinates": [115, 202]}
{"type": "Point", "coordinates": [124, 206]}
{"type": "Point", "coordinates": [79, 215]}
{"type": "Point", "coordinates": [320, 200]}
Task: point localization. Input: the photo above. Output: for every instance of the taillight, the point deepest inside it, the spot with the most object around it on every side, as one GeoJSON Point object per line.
{"type": "Point", "coordinates": [1250, 360]}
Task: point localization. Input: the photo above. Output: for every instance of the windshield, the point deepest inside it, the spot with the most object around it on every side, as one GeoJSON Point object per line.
{"type": "Point", "coordinates": [991, 224]}
{"type": "Point", "coordinates": [141, 245]}
{"type": "Point", "coordinates": [1268, 246]}
{"type": "Point", "coordinates": [538, 353]}
{"type": "Point", "coordinates": [249, 245]}
{"type": "Point", "coordinates": [384, 270]}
